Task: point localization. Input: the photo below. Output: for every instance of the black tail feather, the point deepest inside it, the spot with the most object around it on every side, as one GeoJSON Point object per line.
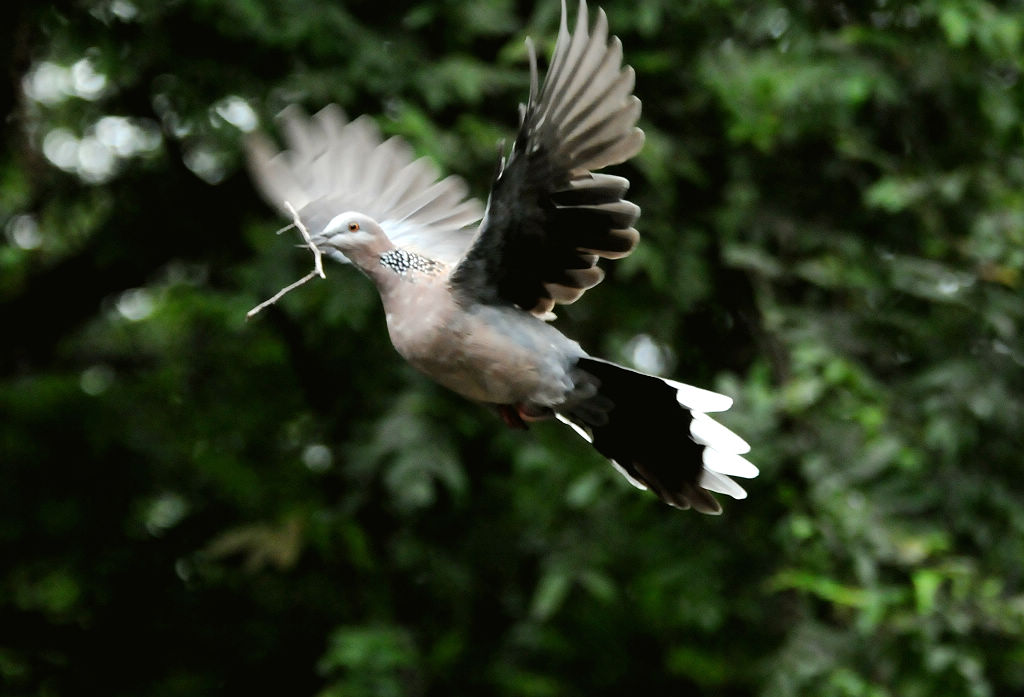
{"type": "Point", "coordinates": [638, 423]}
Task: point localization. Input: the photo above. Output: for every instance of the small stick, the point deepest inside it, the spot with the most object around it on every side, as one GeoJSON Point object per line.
{"type": "Point", "coordinates": [318, 264]}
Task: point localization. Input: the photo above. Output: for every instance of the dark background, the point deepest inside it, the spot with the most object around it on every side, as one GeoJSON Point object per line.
{"type": "Point", "coordinates": [833, 232]}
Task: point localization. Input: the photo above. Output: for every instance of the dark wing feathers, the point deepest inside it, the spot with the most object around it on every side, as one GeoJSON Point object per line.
{"type": "Point", "coordinates": [549, 218]}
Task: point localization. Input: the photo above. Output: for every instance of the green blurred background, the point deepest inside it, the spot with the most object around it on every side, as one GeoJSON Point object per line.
{"type": "Point", "coordinates": [833, 232]}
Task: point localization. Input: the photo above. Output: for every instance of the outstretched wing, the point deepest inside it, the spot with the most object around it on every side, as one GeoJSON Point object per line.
{"type": "Point", "coordinates": [332, 166]}
{"type": "Point", "coordinates": [549, 218]}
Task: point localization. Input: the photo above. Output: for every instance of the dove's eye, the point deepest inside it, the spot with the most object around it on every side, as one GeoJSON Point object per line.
{"type": "Point", "coordinates": [353, 226]}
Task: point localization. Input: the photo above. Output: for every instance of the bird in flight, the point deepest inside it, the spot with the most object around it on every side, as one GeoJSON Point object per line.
{"type": "Point", "coordinates": [468, 291]}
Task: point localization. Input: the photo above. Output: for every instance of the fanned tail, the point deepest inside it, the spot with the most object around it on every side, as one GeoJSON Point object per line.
{"type": "Point", "coordinates": [657, 433]}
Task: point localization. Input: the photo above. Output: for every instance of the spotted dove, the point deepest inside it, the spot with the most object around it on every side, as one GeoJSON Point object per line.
{"type": "Point", "coordinates": [469, 305]}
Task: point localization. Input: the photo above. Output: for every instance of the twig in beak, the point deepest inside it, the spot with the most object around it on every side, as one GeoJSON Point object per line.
{"type": "Point", "coordinates": [318, 264]}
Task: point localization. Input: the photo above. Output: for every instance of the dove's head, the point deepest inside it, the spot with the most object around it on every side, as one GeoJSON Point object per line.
{"type": "Point", "coordinates": [351, 232]}
{"type": "Point", "coordinates": [357, 237]}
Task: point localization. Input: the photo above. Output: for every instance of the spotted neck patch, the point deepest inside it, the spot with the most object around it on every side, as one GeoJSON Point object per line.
{"type": "Point", "coordinates": [402, 261]}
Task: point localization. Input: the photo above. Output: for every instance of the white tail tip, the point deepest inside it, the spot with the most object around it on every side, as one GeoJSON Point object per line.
{"type": "Point", "coordinates": [729, 464]}
{"type": "Point", "coordinates": [709, 432]}
{"type": "Point", "coordinates": [582, 432]}
{"type": "Point", "coordinates": [698, 399]}
{"type": "Point", "coordinates": [721, 484]}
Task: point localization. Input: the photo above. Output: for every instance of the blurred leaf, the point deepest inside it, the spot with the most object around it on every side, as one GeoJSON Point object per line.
{"type": "Point", "coordinates": [549, 595]}
{"type": "Point", "coordinates": [370, 661]}
{"type": "Point", "coordinates": [261, 544]}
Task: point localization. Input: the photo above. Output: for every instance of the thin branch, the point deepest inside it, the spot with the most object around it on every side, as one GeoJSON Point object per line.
{"type": "Point", "coordinates": [318, 264]}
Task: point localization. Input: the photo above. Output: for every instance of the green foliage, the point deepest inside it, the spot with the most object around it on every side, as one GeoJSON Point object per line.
{"type": "Point", "coordinates": [833, 229]}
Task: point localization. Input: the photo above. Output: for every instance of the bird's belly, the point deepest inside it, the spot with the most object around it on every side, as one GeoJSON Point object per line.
{"type": "Point", "coordinates": [475, 370]}
{"type": "Point", "coordinates": [481, 362]}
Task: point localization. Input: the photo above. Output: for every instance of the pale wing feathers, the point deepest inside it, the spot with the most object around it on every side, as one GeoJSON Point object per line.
{"type": "Point", "coordinates": [586, 111]}
{"type": "Point", "coordinates": [332, 165]}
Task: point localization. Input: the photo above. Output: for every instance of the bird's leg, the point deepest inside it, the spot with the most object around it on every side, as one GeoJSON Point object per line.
{"type": "Point", "coordinates": [510, 415]}
{"type": "Point", "coordinates": [531, 412]}
{"type": "Point", "coordinates": [520, 415]}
